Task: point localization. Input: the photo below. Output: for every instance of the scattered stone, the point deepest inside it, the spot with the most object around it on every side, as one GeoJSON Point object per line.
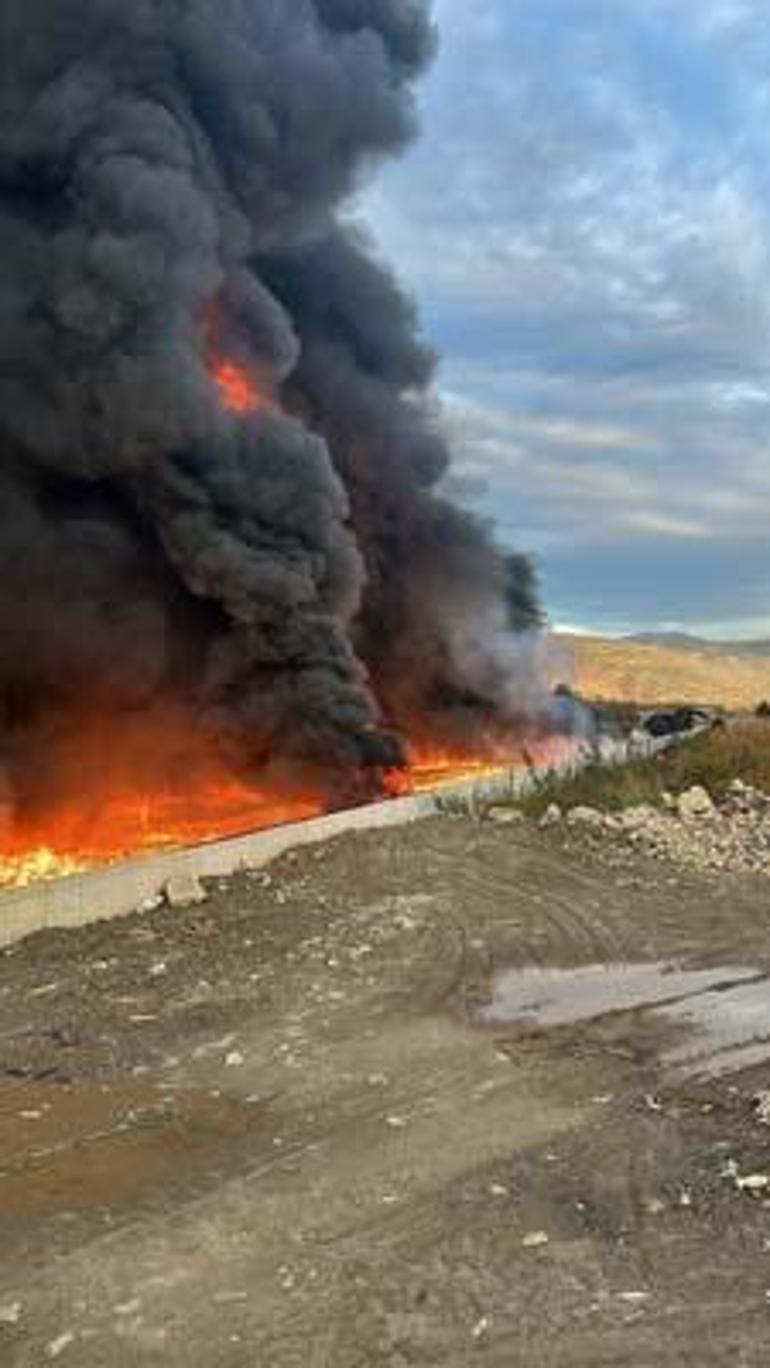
{"type": "Point", "coordinates": [585, 816]}
{"type": "Point", "coordinates": [733, 835]}
{"type": "Point", "coordinates": [654, 1206]}
{"type": "Point", "coordinates": [235, 1060]}
{"type": "Point", "coordinates": [505, 816]}
{"type": "Point", "coordinates": [695, 802]}
{"type": "Point", "coordinates": [212, 1047]}
{"type": "Point", "coordinates": [184, 890]}
{"type": "Point", "coordinates": [762, 1107]}
{"type": "Point", "coordinates": [752, 1182]}
{"type": "Point", "coordinates": [150, 904]}
{"type": "Point", "coordinates": [638, 817]}
{"type": "Point", "coordinates": [537, 1239]}
{"type": "Point", "coordinates": [57, 1346]}
{"type": "Point", "coordinates": [552, 815]}
{"type": "Point", "coordinates": [481, 1328]}
{"type": "Point", "coordinates": [10, 1313]}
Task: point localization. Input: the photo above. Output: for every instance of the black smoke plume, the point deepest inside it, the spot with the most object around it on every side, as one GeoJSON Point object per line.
{"type": "Point", "coordinates": [171, 173]}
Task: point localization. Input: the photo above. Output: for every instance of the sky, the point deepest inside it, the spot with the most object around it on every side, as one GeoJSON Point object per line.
{"type": "Point", "coordinates": [585, 222]}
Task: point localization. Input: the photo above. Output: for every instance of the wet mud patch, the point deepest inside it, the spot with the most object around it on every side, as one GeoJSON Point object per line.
{"type": "Point", "coordinates": [110, 1147]}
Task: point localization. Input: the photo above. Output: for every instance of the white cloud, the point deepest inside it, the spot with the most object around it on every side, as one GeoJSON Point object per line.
{"type": "Point", "coordinates": [587, 225]}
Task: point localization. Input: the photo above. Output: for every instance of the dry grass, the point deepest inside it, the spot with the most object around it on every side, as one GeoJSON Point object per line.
{"type": "Point", "coordinates": [653, 675]}
{"type": "Point", "coordinates": [713, 759]}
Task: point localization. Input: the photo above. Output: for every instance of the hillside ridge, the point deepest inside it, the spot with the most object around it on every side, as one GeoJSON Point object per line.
{"type": "Point", "coordinates": [644, 672]}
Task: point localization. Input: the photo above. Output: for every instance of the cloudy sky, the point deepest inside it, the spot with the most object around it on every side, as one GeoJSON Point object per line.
{"type": "Point", "coordinates": [586, 223]}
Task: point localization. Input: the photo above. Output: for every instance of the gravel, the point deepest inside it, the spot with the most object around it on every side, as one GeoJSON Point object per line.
{"type": "Point", "coordinates": [695, 830]}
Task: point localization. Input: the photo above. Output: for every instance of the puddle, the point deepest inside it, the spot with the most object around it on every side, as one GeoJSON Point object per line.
{"type": "Point", "coordinates": [725, 1011]}
{"type": "Point", "coordinates": [729, 1029]}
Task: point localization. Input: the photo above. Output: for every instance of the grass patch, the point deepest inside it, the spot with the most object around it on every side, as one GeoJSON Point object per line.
{"type": "Point", "coordinates": [713, 759]}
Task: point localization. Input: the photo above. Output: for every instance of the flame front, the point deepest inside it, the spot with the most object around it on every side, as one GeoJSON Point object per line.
{"type": "Point", "coordinates": [131, 822]}
{"type": "Point", "coordinates": [73, 839]}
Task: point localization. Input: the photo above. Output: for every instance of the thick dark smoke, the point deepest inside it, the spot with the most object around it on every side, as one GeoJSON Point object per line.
{"type": "Point", "coordinates": [170, 172]}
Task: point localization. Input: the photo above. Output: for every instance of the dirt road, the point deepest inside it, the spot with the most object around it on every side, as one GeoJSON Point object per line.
{"type": "Point", "coordinates": [321, 1121]}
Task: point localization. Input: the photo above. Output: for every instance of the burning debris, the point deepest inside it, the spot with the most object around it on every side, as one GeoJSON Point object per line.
{"type": "Point", "coordinates": [225, 568]}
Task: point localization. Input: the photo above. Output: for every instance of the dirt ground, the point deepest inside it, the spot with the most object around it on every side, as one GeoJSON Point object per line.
{"type": "Point", "coordinates": [280, 1130]}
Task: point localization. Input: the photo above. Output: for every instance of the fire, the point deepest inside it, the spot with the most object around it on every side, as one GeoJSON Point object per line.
{"type": "Point", "coordinates": [156, 784]}
{"type": "Point", "coordinates": [128, 820]}
{"type": "Point", "coordinates": [432, 768]}
{"type": "Point", "coordinates": [239, 391]}
{"type": "Point", "coordinates": [74, 840]}
{"type": "Point", "coordinates": [243, 389]}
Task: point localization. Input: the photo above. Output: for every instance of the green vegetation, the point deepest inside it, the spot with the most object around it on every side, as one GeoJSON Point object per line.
{"type": "Point", "coordinates": [713, 759]}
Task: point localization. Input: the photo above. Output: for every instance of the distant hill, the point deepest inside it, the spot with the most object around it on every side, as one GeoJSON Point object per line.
{"type": "Point", "coordinates": [651, 674]}
{"type": "Point", "coordinates": [682, 641]}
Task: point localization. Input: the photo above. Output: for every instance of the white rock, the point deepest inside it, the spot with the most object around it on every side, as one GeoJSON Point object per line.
{"type": "Point", "coordinates": [753, 1182]}
{"type": "Point", "coordinates": [635, 818]}
{"type": "Point", "coordinates": [536, 1240]}
{"type": "Point", "coordinates": [184, 890]}
{"type": "Point", "coordinates": [10, 1313]}
{"type": "Point", "coordinates": [585, 816]}
{"type": "Point", "coordinates": [57, 1346]}
{"type": "Point", "coordinates": [150, 904]}
{"type": "Point", "coordinates": [695, 802]}
{"type": "Point", "coordinates": [654, 1206]}
{"type": "Point", "coordinates": [505, 816]}
{"type": "Point", "coordinates": [551, 816]}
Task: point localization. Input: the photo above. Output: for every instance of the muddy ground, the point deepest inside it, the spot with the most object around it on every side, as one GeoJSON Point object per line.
{"type": "Point", "coordinates": [279, 1130]}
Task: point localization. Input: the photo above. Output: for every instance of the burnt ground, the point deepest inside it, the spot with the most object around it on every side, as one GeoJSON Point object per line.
{"type": "Point", "coordinates": [271, 1132]}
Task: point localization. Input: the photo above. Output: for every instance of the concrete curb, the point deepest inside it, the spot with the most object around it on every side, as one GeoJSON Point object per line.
{"type": "Point", "coordinates": [119, 890]}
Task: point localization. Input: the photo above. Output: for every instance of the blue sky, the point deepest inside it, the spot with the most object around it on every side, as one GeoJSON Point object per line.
{"type": "Point", "coordinates": [586, 224]}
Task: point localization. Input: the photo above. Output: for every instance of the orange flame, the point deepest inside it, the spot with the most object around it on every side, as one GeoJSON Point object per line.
{"type": "Point", "coordinates": [74, 839]}
{"type": "Point", "coordinates": [131, 820]}
{"type": "Point", "coordinates": [239, 392]}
